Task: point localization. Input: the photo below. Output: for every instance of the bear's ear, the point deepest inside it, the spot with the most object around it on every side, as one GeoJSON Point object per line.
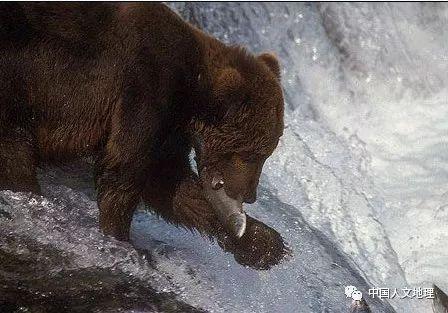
{"type": "Point", "coordinates": [271, 61]}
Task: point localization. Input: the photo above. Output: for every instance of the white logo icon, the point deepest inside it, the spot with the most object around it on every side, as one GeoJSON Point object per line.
{"type": "Point", "coordinates": [357, 295]}
{"type": "Point", "coordinates": [353, 292]}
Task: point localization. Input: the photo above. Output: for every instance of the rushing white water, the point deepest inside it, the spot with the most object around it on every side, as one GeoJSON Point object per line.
{"type": "Point", "coordinates": [398, 75]}
{"type": "Point", "coordinates": [356, 186]}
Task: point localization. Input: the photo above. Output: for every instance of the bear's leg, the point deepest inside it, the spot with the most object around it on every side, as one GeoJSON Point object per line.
{"type": "Point", "coordinates": [17, 162]}
{"type": "Point", "coordinates": [18, 157]}
{"type": "Point", "coordinates": [174, 192]}
{"type": "Point", "coordinates": [168, 183]}
{"type": "Point", "coordinates": [122, 166]}
{"type": "Point", "coordinates": [117, 199]}
{"type": "Point", "coordinates": [120, 180]}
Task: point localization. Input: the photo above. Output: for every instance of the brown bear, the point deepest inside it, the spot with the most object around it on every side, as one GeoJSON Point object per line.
{"type": "Point", "coordinates": [137, 87]}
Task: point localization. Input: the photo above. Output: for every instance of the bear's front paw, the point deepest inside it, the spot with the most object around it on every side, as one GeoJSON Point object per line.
{"type": "Point", "coordinates": [261, 247]}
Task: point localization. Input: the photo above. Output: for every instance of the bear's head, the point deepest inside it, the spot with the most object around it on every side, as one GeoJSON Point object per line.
{"type": "Point", "coordinates": [239, 129]}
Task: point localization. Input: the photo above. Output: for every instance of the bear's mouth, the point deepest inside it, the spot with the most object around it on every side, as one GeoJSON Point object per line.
{"type": "Point", "coordinates": [228, 210]}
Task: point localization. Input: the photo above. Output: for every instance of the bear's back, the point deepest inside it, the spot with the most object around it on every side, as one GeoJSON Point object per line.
{"type": "Point", "coordinates": [88, 25]}
{"type": "Point", "coordinates": [72, 22]}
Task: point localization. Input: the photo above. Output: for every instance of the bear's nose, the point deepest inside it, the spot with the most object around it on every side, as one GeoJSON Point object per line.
{"type": "Point", "coordinates": [251, 197]}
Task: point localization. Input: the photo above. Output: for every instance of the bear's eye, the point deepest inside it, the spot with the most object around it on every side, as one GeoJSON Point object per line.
{"type": "Point", "coordinates": [251, 158]}
{"type": "Point", "coordinates": [217, 183]}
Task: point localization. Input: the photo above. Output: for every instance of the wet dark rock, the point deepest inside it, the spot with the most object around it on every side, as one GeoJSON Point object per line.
{"type": "Point", "coordinates": [43, 273]}
{"type": "Point", "coordinates": [440, 303]}
{"type": "Point", "coordinates": [360, 307]}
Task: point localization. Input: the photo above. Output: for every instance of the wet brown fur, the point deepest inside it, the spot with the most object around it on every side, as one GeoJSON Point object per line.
{"type": "Point", "coordinates": [137, 87]}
